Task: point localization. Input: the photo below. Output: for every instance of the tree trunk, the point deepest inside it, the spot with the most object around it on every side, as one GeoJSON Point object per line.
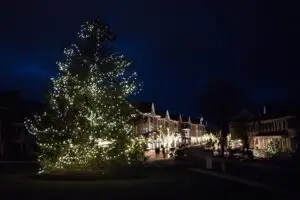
{"type": "Point", "coordinates": [245, 142]}
{"type": "Point", "coordinates": [223, 139]}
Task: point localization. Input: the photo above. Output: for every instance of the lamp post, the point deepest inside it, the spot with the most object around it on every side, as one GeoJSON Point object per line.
{"type": "Point", "coordinates": [1, 147]}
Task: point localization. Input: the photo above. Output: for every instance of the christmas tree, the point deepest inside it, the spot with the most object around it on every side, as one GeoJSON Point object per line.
{"type": "Point", "coordinates": [273, 147]}
{"type": "Point", "coordinates": [89, 121]}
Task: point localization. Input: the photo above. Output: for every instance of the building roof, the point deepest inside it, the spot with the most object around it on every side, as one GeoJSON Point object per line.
{"type": "Point", "coordinates": [243, 116]}
{"type": "Point", "coordinates": [144, 107]}
{"type": "Point", "coordinates": [13, 107]}
{"type": "Point", "coordinates": [277, 133]}
{"type": "Point", "coordinates": [271, 112]}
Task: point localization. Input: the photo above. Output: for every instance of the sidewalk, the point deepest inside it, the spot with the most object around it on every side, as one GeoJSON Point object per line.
{"type": "Point", "coordinates": [277, 177]}
{"type": "Point", "coordinates": [252, 183]}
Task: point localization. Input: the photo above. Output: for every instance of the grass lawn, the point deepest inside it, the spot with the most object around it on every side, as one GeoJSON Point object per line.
{"type": "Point", "coordinates": [160, 184]}
{"type": "Point", "coordinates": [153, 176]}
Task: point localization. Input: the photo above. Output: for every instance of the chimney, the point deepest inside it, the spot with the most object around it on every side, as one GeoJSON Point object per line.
{"type": "Point", "coordinates": [152, 109]}
{"type": "Point", "coordinates": [201, 120]}
{"type": "Point", "coordinates": [189, 120]}
{"type": "Point", "coordinates": [167, 116]}
{"type": "Point", "coordinates": [265, 110]}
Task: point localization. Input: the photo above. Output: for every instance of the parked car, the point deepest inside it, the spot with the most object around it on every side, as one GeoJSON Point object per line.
{"type": "Point", "coordinates": [217, 152]}
{"type": "Point", "coordinates": [234, 153]}
{"type": "Point", "coordinates": [208, 148]}
{"type": "Point", "coordinates": [226, 153]}
{"type": "Point", "coordinates": [247, 154]}
{"type": "Point", "coordinates": [180, 154]}
{"type": "Point", "coordinates": [241, 154]}
{"type": "Point", "coordinates": [172, 152]}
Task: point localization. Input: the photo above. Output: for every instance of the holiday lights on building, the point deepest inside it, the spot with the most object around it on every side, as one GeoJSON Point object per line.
{"type": "Point", "coordinates": [233, 144]}
{"type": "Point", "coordinates": [89, 119]}
{"type": "Point", "coordinates": [208, 137]}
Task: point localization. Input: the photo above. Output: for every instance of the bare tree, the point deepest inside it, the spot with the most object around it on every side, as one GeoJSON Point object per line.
{"type": "Point", "coordinates": [219, 102]}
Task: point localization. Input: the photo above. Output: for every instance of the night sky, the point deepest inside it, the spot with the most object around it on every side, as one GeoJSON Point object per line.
{"type": "Point", "coordinates": [177, 46]}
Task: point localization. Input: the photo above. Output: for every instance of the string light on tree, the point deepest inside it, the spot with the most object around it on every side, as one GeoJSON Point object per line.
{"type": "Point", "coordinates": [89, 119]}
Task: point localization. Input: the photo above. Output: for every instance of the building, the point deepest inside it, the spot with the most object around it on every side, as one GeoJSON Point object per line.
{"type": "Point", "coordinates": [265, 130]}
{"type": "Point", "coordinates": [160, 128]}
{"type": "Point", "coordinates": [163, 129]}
{"type": "Point", "coordinates": [15, 142]}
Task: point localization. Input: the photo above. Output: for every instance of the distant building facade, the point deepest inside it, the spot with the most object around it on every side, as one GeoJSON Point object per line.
{"type": "Point", "coordinates": [15, 142]}
{"type": "Point", "coordinates": [261, 130]}
{"type": "Point", "coordinates": [167, 130]}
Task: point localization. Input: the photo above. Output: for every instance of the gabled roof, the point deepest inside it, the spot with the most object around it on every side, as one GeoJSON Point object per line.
{"type": "Point", "coordinates": [275, 111]}
{"type": "Point", "coordinates": [144, 107]}
{"type": "Point", "coordinates": [272, 112]}
{"type": "Point", "coordinates": [243, 116]}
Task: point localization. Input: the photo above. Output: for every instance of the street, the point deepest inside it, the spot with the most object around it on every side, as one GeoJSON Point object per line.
{"type": "Point", "coordinates": [250, 170]}
{"type": "Point", "coordinates": [162, 184]}
{"type": "Point", "coordinates": [166, 179]}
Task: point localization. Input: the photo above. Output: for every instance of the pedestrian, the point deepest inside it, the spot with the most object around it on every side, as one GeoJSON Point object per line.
{"type": "Point", "coordinates": [157, 151]}
{"type": "Point", "coordinates": [163, 151]}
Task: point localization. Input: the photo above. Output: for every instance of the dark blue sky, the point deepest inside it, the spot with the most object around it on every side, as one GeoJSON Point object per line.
{"type": "Point", "coordinates": [177, 46]}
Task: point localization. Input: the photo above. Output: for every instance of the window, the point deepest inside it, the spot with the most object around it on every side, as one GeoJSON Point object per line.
{"type": "Point", "coordinates": [270, 126]}
{"type": "Point", "coordinates": [144, 129]}
{"type": "Point", "coordinates": [264, 127]}
{"type": "Point", "coordinates": [283, 124]}
{"type": "Point", "coordinates": [275, 125]}
{"type": "Point", "coordinates": [292, 123]}
{"type": "Point", "coordinates": [151, 120]}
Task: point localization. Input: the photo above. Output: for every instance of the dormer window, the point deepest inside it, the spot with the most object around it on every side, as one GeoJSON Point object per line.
{"type": "Point", "coordinates": [145, 129]}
